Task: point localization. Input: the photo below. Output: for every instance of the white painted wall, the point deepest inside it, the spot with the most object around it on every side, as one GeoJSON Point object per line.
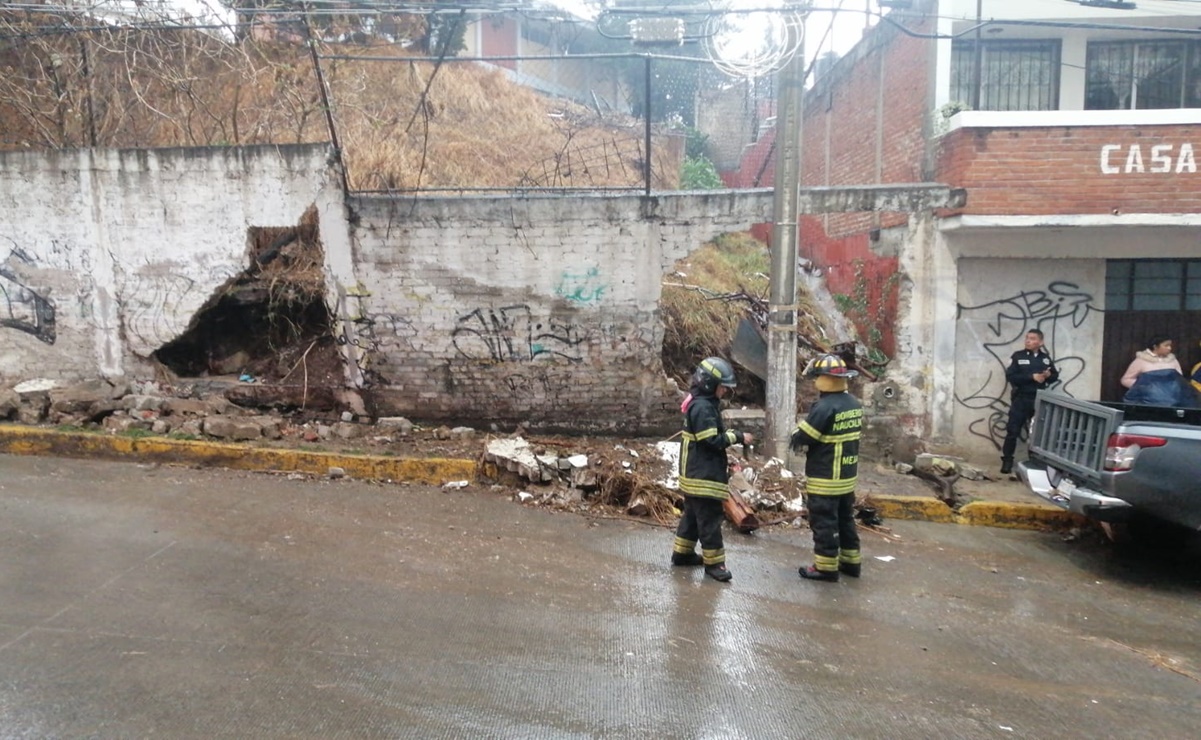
{"type": "Point", "coordinates": [999, 300]}
{"type": "Point", "coordinates": [127, 245]}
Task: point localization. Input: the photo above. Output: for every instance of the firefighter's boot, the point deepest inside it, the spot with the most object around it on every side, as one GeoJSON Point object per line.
{"type": "Point", "coordinates": [718, 572]}
{"type": "Point", "coordinates": [686, 559]}
{"type": "Point", "coordinates": [811, 573]}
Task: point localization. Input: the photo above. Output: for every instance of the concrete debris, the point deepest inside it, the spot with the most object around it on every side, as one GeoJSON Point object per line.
{"type": "Point", "coordinates": [455, 484]}
{"type": "Point", "coordinates": [524, 496]}
{"type": "Point", "coordinates": [37, 385]}
{"type": "Point", "coordinates": [336, 473]}
{"type": "Point", "coordinates": [403, 425]}
{"type": "Point", "coordinates": [517, 456]}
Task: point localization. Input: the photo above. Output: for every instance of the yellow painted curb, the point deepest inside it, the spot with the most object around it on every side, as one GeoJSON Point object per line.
{"type": "Point", "coordinates": [920, 508]}
{"type": "Point", "coordinates": [981, 513]}
{"type": "Point", "coordinates": [21, 440]}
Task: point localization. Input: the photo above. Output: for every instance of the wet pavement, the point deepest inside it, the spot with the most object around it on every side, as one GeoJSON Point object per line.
{"type": "Point", "coordinates": [141, 600]}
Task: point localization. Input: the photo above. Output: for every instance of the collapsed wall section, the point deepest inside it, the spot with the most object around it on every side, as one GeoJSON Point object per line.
{"type": "Point", "coordinates": [108, 255]}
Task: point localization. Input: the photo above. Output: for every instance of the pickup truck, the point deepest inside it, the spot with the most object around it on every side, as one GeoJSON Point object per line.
{"type": "Point", "coordinates": [1114, 461]}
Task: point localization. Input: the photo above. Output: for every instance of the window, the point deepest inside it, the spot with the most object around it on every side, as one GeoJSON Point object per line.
{"type": "Point", "coordinates": [1153, 285]}
{"type": "Point", "coordinates": [1014, 75]}
{"type": "Point", "coordinates": [1128, 75]}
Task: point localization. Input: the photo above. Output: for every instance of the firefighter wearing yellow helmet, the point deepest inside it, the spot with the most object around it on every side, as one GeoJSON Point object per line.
{"type": "Point", "coordinates": [704, 469]}
{"type": "Point", "coordinates": [831, 434]}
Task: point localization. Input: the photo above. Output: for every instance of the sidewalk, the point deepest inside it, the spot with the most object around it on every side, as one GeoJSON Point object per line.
{"type": "Point", "coordinates": [898, 497]}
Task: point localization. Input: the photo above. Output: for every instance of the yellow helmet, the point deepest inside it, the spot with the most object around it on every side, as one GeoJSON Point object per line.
{"type": "Point", "coordinates": [831, 365]}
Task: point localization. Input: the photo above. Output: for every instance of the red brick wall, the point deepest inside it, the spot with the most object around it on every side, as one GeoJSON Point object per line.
{"type": "Point", "coordinates": [839, 144]}
{"type": "Point", "coordinates": [1037, 171]}
{"type": "Point", "coordinates": [498, 37]}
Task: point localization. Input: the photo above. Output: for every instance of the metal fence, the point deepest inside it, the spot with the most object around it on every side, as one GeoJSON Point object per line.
{"type": "Point", "coordinates": [402, 122]}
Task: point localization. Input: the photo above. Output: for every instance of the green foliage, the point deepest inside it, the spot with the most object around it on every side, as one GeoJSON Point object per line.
{"type": "Point", "coordinates": [70, 428]}
{"type": "Point", "coordinates": [137, 433]}
{"type": "Point", "coordinates": [696, 145]}
{"type": "Point", "coordinates": [182, 435]}
{"type": "Point", "coordinates": [698, 173]}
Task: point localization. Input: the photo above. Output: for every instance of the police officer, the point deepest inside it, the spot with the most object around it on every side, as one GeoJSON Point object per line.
{"type": "Point", "coordinates": [1030, 371]}
{"type": "Point", "coordinates": [831, 433]}
{"type": "Point", "coordinates": [704, 469]}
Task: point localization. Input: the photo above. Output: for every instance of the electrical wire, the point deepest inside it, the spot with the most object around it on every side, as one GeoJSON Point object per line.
{"type": "Point", "coordinates": [782, 29]}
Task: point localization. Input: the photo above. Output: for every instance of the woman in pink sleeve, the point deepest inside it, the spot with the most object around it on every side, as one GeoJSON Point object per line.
{"type": "Point", "coordinates": [1157, 356]}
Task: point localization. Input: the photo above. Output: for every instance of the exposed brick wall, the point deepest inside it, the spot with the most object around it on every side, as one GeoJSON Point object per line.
{"type": "Point", "coordinates": [853, 137]}
{"type": "Point", "coordinates": [536, 310]}
{"type": "Point", "coordinates": [1033, 171]}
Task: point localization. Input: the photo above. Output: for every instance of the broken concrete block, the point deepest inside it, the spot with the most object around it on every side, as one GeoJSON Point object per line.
{"type": "Point", "coordinates": [347, 416]}
{"type": "Point", "coordinates": [191, 427]}
{"type": "Point", "coordinates": [142, 403]}
{"type": "Point", "coordinates": [462, 433]}
{"type": "Point", "coordinates": [324, 432]}
{"type": "Point", "coordinates": [37, 385]}
{"type": "Point", "coordinates": [937, 464]}
{"type": "Point", "coordinates": [34, 408]}
{"type": "Point", "coordinates": [584, 479]}
{"type": "Point", "coordinates": [269, 425]}
{"type": "Point", "coordinates": [79, 398]}
{"type": "Point", "coordinates": [395, 422]}
{"type": "Point", "coordinates": [160, 426]}
{"type": "Point", "coordinates": [335, 473]}
{"type": "Point", "coordinates": [117, 424]}
{"type": "Point", "coordinates": [184, 407]}
{"type": "Point", "coordinates": [348, 430]}
{"type": "Point", "coordinates": [220, 406]}
{"type": "Point", "coordinates": [516, 456]}
{"type": "Point", "coordinates": [442, 433]}
{"type": "Point", "coordinates": [225, 427]}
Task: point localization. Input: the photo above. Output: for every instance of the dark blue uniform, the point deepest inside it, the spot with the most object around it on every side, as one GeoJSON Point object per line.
{"type": "Point", "coordinates": [1023, 366]}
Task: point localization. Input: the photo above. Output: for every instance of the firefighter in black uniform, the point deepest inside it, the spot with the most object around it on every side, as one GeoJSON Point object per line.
{"type": "Point", "coordinates": [831, 431]}
{"type": "Point", "coordinates": [704, 469]}
{"type": "Point", "coordinates": [1030, 371]}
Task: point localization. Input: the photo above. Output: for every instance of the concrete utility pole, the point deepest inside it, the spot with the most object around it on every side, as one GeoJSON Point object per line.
{"type": "Point", "coordinates": [780, 414]}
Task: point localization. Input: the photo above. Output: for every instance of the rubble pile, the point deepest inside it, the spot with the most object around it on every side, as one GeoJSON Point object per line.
{"type": "Point", "coordinates": [638, 480]}
{"type": "Point", "coordinates": [194, 411]}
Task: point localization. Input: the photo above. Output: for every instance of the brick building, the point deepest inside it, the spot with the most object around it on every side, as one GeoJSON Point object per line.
{"type": "Point", "coordinates": [1077, 148]}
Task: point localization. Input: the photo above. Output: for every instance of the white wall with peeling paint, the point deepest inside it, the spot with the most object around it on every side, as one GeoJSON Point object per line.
{"type": "Point", "coordinates": [125, 246]}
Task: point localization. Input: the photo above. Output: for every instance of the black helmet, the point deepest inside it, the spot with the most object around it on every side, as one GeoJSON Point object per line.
{"type": "Point", "coordinates": [712, 372]}
{"type": "Point", "coordinates": [832, 365]}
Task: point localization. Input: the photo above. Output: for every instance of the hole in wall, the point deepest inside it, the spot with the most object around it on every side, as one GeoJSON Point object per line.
{"type": "Point", "coordinates": [270, 321]}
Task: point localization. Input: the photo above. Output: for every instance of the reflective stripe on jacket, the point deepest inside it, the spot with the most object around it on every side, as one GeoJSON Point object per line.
{"type": "Point", "coordinates": [831, 431]}
{"type": "Point", "coordinates": [704, 467]}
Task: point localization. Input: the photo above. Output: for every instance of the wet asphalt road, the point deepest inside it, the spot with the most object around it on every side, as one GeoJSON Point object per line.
{"type": "Point", "coordinates": [170, 602]}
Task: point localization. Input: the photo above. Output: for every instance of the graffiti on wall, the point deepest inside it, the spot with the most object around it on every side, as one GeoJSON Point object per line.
{"type": "Point", "coordinates": [538, 386]}
{"type": "Point", "coordinates": [157, 300]}
{"type": "Point", "coordinates": [1058, 310]}
{"type": "Point", "coordinates": [581, 287]}
{"type": "Point", "coordinates": [21, 307]}
{"type": "Point", "coordinates": [514, 334]}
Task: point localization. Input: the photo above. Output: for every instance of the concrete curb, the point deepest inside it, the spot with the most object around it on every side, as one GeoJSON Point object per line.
{"type": "Point", "coordinates": [24, 440]}
{"type": "Point", "coordinates": [21, 440]}
{"type": "Point", "coordinates": [980, 513]}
